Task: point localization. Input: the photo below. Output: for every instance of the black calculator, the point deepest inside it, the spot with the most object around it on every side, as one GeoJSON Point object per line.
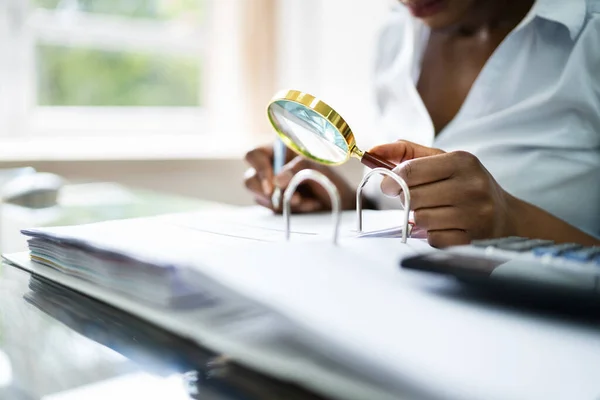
{"type": "Point", "coordinates": [538, 266]}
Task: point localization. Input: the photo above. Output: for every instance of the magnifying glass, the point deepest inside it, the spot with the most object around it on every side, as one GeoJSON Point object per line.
{"type": "Point", "coordinates": [314, 130]}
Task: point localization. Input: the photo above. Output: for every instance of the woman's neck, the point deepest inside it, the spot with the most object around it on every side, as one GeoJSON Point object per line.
{"type": "Point", "coordinates": [489, 15]}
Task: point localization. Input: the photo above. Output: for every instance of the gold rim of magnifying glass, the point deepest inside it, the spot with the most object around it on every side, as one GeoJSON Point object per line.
{"type": "Point", "coordinates": [325, 111]}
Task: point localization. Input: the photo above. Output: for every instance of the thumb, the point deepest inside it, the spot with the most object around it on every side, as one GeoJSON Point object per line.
{"type": "Point", "coordinates": [403, 150]}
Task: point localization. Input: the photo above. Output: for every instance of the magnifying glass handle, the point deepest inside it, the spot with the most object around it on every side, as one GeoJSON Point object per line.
{"type": "Point", "coordinates": [373, 161]}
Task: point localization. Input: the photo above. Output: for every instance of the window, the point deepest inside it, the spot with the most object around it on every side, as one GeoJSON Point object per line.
{"type": "Point", "coordinates": [105, 66]}
{"type": "Point", "coordinates": [131, 69]}
{"type": "Point", "coordinates": [107, 53]}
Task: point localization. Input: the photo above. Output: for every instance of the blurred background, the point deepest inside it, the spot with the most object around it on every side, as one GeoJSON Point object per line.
{"type": "Point", "coordinates": [168, 95]}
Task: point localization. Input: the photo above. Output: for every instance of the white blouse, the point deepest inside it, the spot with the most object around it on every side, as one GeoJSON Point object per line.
{"type": "Point", "coordinates": [532, 116]}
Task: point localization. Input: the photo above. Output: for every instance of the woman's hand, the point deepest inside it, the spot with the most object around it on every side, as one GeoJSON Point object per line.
{"type": "Point", "coordinates": [310, 196]}
{"type": "Point", "coordinates": [454, 198]}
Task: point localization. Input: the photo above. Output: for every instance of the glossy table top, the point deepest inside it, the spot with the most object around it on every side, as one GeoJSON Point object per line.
{"type": "Point", "coordinates": [56, 344]}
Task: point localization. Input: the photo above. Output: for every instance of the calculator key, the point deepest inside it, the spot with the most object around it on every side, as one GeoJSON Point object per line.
{"type": "Point", "coordinates": [582, 255]}
{"type": "Point", "coordinates": [526, 245]}
{"type": "Point", "coordinates": [555, 250]}
{"type": "Point", "coordinates": [496, 242]}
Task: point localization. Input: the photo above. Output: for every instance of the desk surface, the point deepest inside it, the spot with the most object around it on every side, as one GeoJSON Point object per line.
{"type": "Point", "coordinates": [85, 349]}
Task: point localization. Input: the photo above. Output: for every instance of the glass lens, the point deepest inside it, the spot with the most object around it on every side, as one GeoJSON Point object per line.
{"type": "Point", "coordinates": [313, 135]}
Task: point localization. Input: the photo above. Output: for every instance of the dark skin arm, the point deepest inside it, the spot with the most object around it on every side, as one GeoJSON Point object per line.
{"type": "Point", "coordinates": [455, 199]}
{"type": "Point", "coordinates": [535, 222]}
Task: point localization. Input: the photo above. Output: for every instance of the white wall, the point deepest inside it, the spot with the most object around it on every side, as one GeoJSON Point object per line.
{"type": "Point", "coordinates": [327, 48]}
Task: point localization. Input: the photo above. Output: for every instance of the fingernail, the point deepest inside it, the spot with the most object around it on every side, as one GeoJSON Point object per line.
{"type": "Point", "coordinates": [267, 187]}
{"type": "Point", "coordinates": [389, 192]}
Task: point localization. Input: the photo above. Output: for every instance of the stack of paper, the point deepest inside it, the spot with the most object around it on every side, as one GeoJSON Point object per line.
{"type": "Point", "coordinates": [160, 259]}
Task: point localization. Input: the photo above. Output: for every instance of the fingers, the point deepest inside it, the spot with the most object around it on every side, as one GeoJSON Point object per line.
{"type": "Point", "coordinates": [282, 180]}
{"type": "Point", "coordinates": [307, 205]}
{"type": "Point", "coordinates": [347, 193]}
{"type": "Point", "coordinates": [422, 171]}
{"type": "Point", "coordinates": [426, 170]}
{"type": "Point", "coordinates": [261, 159]}
{"type": "Point", "coordinates": [431, 169]}
{"type": "Point", "coordinates": [440, 218]}
{"type": "Point", "coordinates": [296, 165]}
{"type": "Point", "coordinates": [301, 201]}
{"type": "Point", "coordinates": [313, 190]}
{"type": "Point", "coordinates": [259, 177]}
{"type": "Point", "coordinates": [446, 238]}
{"type": "Point", "coordinates": [298, 203]}
{"type": "Point", "coordinates": [254, 185]}
{"type": "Point", "coordinates": [265, 202]}
{"type": "Point", "coordinates": [403, 150]}
{"type": "Point", "coordinates": [315, 197]}
{"type": "Point", "coordinates": [309, 196]}
{"type": "Point", "coordinates": [438, 194]}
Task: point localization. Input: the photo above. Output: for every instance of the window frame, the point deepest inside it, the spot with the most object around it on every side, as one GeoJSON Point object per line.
{"type": "Point", "coordinates": [23, 27]}
{"type": "Point", "coordinates": [234, 98]}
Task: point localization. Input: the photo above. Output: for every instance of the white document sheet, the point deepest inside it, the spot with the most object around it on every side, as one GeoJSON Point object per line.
{"type": "Point", "coordinates": [261, 224]}
{"type": "Point", "coordinates": [207, 229]}
{"type": "Point", "coordinates": [161, 250]}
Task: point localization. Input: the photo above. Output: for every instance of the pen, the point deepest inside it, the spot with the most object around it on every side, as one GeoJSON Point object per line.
{"type": "Point", "coordinates": [278, 163]}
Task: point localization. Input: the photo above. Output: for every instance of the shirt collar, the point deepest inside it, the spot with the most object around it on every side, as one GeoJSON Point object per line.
{"type": "Point", "coordinates": [571, 14]}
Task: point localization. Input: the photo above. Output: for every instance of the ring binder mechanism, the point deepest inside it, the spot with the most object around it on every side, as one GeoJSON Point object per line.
{"type": "Point", "coordinates": [382, 171]}
{"type": "Point", "coordinates": [311, 174]}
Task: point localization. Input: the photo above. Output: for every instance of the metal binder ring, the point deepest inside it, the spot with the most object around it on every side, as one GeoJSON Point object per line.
{"type": "Point", "coordinates": [405, 191]}
{"type": "Point", "coordinates": [311, 174]}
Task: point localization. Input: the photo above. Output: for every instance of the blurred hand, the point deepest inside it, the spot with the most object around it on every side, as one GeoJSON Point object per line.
{"type": "Point", "coordinates": [454, 198]}
{"type": "Point", "coordinates": [309, 197]}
